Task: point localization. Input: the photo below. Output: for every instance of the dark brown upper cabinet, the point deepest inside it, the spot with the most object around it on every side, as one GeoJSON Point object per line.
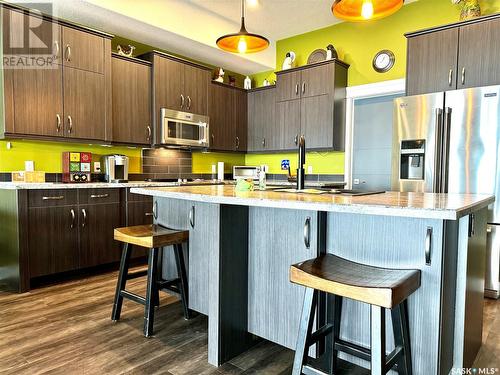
{"type": "Point", "coordinates": [310, 101]}
{"type": "Point", "coordinates": [455, 56]}
{"type": "Point", "coordinates": [82, 50]}
{"type": "Point", "coordinates": [262, 134]}
{"type": "Point", "coordinates": [178, 84]}
{"type": "Point", "coordinates": [73, 98]}
{"type": "Point", "coordinates": [131, 102]}
{"type": "Point", "coordinates": [479, 54]}
{"type": "Point", "coordinates": [432, 62]}
{"type": "Point", "coordinates": [228, 118]}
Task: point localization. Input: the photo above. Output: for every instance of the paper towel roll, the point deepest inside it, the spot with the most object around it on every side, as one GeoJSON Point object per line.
{"type": "Point", "coordinates": [220, 171]}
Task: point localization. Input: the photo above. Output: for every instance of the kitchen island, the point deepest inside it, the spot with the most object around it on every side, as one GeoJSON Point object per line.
{"type": "Point", "coordinates": [242, 244]}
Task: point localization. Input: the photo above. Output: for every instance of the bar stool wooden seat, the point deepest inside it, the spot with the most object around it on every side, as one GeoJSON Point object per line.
{"type": "Point", "coordinates": [152, 237]}
{"type": "Point", "coordinates": [382, 288]}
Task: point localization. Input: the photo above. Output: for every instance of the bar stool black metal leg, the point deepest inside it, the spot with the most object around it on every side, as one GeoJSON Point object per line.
{"type": "Point", "coordinates": [122, 281]}
{"type": "Point", "coordinates": [377, 324]}
{"type": "Point", "coordinates": [305, 328]}
{"type": "Point", "coordinates": [402, 336]}
{"type": "Point", "coordinates": [151, 287]}
{"type": "Point", "coordinates": [158, 278]}
{"type": "Point", "coordinates": [337, 313]}
{"type": "Point", "coordinates": [181, 271]}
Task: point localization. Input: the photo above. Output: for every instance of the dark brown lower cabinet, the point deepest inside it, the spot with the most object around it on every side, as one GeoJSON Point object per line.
{"type": "Point", "coordinates": [52, 240]}
{"type": "Point", "coordinates": [97, 223]}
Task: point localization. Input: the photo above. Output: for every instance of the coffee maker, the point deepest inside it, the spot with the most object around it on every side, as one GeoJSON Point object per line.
{"type": "Point", "coordinates": [115, 168]}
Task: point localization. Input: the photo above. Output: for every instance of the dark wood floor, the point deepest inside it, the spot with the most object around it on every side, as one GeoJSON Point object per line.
{"type": "Point", "coordinates": [66, 329]}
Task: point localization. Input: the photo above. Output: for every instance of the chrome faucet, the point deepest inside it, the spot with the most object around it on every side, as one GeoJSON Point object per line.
{"type": "Point", "coordinates": [302, 161]}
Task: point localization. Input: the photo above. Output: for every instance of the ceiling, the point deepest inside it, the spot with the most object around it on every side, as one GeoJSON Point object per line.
{"type": "Point", "coordinates": [191, 27]}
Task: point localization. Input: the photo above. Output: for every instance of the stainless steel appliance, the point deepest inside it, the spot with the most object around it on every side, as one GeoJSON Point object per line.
{"type": "Point", "coordinates": [184, 129]}
{"type": "Point", "coordinates": [115, 168]}
{"type": "Point", "coordinates": [450, 142]}
{"type": "Point", "coordinates": [246, 172]}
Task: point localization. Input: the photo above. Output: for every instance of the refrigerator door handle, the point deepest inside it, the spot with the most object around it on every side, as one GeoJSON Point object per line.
{"type": "Point", "coordinates": [437, 160]}
{"type": "Point", "coordinates": [445, 149]}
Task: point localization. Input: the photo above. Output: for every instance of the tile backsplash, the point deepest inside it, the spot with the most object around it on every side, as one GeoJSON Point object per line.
{"type": "Point", "coordinates": [166, 163]}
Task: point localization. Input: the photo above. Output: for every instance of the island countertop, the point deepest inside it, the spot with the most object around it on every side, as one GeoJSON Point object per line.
{"type": "Point", "coordinates": [418, 205]}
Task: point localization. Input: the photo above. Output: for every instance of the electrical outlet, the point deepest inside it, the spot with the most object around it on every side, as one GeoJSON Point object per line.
{"type": "Point", "coordinates": [309, 169]}
{"type": "Point", "coordinates": [356, 181]}
{"type": "Point", "coordinates": [29, 165]}
{"type": "Point", "coordinates": [214, 169]}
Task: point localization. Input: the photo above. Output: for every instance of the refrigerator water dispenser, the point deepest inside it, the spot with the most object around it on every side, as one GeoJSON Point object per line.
{"type": "Point", "coordinates": [412, 156]}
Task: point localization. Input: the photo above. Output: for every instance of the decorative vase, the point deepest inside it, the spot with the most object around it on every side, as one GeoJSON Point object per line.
{"type": "Point", "coordinates": [470, 9]}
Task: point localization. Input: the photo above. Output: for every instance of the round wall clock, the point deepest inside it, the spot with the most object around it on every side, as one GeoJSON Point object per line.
{"type": "Point", "coordinates": [383, 61]}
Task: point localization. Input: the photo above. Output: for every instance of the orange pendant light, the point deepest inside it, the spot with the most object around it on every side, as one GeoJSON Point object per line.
{"type": "Point", "coordinates": [364, 10]}
{"type": "Point", "coordinates": [243, 41]}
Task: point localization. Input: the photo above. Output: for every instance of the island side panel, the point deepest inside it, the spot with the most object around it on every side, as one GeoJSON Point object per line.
{"type": "Point", "coordinates": [471, 265]}
{"type": "Point", "coordinates": [393, 242]}
{"type": "Point", "coordinates": [228, 288]}
{"type": "Point", "coordinates": [276, 241]}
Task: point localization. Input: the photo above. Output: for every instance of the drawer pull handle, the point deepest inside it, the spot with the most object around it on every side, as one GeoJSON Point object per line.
{"type": "Point", "coordinates": [84, 213]}
{"type": "Point", "coordinates": [149, 214]}
{"type": "Point", "coordinates": [428, 246]}
{"type": "Point", "coordinates": [99, 196]}
{"type": "Point", "coordinates": [72, 212]}
{"type": "Point", "coordinates": [307, 233]}
{"type": "Point", "coordinates": [57, 198]}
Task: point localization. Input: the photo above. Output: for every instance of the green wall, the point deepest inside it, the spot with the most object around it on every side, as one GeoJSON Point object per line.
{"type": "Point", "coordinates": [47, 155]}
{"type": "Point", "coordinates": [357, 44]}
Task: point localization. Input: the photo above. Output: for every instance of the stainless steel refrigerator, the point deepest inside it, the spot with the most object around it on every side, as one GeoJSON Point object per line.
{"type": "Point", "coordinates": [450, 142]}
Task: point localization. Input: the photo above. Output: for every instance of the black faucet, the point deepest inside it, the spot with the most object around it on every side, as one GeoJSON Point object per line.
{"type": "Point", "coordinates": [302, 160]}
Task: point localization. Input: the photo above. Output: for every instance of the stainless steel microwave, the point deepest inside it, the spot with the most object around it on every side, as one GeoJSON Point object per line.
{"type": "Point", "coordinates": [183, 129]}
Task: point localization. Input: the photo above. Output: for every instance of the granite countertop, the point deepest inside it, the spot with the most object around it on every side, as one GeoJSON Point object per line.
{"type": "Point", "coordinates": [419, 205]}
{"type": "Point", "coordinates": [88, 185]}
{"type": "Point", "coordinates": [131, 184]}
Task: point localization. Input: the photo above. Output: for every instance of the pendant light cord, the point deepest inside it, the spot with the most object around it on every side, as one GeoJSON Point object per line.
{"type": "Point", "coordinates": [243, 29]}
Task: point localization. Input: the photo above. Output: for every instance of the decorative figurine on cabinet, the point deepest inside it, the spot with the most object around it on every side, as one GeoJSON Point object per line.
{"type": "Point", "coordinates": [219, 75]}
{"type": "Point", "coordinates": [247, 83]}
{"type": "Point", "coordinates": [331, 53]}
{"type": "Point", "coordinates": [126, 51]}
{"type": "Point", "coordinates": [289, 60]}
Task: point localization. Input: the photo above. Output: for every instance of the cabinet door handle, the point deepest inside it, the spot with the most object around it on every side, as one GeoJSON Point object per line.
{"type": "Point", "coordinates": [303, 87]}
{"type": "Point", "coordinates": [155, 210]}
{"type": "Point", "coordinates": [463, 75]}
{"type": "Point", "coordinates": [213, 137]}
{"type": "Point", "coordinates": [84, 213]}
{"type": "Point", "coordinates": [263, 142]}
{"type": "Point", "coordinates": [182, 101]}
{"type": "Point", "coordinates": [57, 48]}
{"type": "Point", "coordinates": [70, 124]}
{"type": "Point", "coordinates": [72, 212]}
{"type": "Point", "coordinates": [56, 198]}
{"type": "Point", "coordinates": [307, 233]}
{"type": "Point", "coordinates": [99, 195]}
{"type": "Point", "coordinates": [68, 52]}
{"type": "Point", "coordinates": [450, 77]}
{"type": "Point", "coordinates": [191, 217]}
{"type": "Point", "coordinates": [189, 102]}
{"type": "Point", "coordinates": [237, 139]}
{"type": "Point", "coordinates": [296, 139]}
{"type": "Point", "coordinates": [58, 122]}
{"type": "Point", "coordinates": [148, 130]}
{"type": "Point", "coordinates": [297, 89]}
{"type": "Point", "coordinates": [472, 225]}
{"type": "Point", "coordinates": [149, 214]}
{"type": "Point", "coordinates": [428, 246]}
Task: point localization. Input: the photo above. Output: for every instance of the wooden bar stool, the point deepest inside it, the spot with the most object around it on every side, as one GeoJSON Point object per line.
{"type": "Point", "coordinates": [380, 287]}
{"type": "Point", "coordinates": [152, 237]}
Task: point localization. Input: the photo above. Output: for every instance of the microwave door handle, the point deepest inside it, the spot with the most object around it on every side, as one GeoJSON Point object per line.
{"type": "Point", "coordinates": [438, 151]}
